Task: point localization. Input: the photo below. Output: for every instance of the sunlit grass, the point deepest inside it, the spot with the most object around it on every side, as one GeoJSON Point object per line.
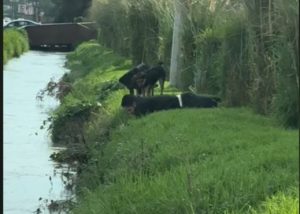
{"type": "Point", "coordinates": [281, 203]}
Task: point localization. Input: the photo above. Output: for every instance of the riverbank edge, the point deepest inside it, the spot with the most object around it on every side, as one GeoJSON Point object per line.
{"type": "Point", "coordinates": [15, 43]}
{"type": "Point", "coordinates": [97, 111]}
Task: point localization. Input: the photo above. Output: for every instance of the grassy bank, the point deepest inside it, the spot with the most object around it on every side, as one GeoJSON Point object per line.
{"type": "Point", "coordinates": [15, 42]}
{"type": "Point", "coordinates": [225, 160]}
{"type": "Point", "coordinates": [192, 161]}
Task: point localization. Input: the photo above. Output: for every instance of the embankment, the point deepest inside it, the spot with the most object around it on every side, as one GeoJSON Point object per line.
{"type": "Point", "coordinates": [224, 160]}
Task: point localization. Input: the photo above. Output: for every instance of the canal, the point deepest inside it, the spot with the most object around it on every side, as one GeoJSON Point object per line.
{"type": "Point", "coordinates": [31, 179]}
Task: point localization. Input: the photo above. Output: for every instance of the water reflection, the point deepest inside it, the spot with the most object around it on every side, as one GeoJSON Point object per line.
{"type": "Point", "coordinates": [27, 167]}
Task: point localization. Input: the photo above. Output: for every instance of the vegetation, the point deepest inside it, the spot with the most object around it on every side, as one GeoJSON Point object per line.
{"type": "Point", "coordinates": [224, 160]}
{"type": "Point", "coordinates": [281, 204]}
{"type": "Point", "coordinates": [245, 51]}
{"type": "Point", "coordinates": [15, 42]}
{"type": "Point", "coordinates": [87, 83]}
{"type": "Point", "coordinates": [231, 161]}
{"type": "Point", "coordinates": [67, 10]}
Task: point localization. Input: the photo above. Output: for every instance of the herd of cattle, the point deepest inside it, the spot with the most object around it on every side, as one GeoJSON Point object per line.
{"type": "Point", "coordinates": [141, 81]}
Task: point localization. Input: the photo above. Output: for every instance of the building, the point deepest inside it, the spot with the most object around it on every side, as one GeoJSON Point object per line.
{"type": "Point", "coordinates": [27, 9]}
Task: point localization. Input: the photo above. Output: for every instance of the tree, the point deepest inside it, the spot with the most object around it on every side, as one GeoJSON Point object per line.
{"type": "Point", "coordinates": [67, 10]}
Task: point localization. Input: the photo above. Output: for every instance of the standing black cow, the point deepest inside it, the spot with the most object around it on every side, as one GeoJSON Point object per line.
{"type": "Point", "coordinates": [128, 80]}
{"type": "Point", "coordinates": [146, 80]}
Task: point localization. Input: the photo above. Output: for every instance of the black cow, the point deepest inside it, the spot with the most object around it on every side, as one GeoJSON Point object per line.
{"type": "Point", "coordinates": [143, 105]}
{"type": "Point", "coordinates": [129, 82]}
{"type": "Point", "coordinates": [146, 80]}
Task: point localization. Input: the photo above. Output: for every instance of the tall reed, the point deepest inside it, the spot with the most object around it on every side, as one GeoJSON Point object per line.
{"type": "Point", "coordinates": [245, 51]}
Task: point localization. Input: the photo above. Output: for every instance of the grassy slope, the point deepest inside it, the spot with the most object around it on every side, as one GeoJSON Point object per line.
{"type": "Point", "coordinates": [180, 161]}
{"type": "Point", "coordinates": [194, 161]}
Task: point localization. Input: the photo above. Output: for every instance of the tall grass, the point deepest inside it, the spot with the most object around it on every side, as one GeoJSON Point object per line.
{"type": "Point", "coordinates": [135, 28]}
{"type": "Point", "coordinates": [286, 62]}
{"type": "Point", "coordinates": [244, 51]}
{"type": "Point", "coordinates": [15, 42]}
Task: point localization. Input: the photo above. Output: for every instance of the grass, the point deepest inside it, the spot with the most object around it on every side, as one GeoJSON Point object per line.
{"type": "Point", "coordinates": [192, 161]}
{"type": "Point", "coordinates": [223, 160]}
{"type": "Point", "coordinates": [281, 204]}
{"type": "Point", "coordinates": [15, 42]}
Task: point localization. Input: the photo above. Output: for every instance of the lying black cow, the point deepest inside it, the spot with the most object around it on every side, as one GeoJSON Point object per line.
{"type": "Point", "coordinates": [129, 82]}
{"type": "Point", "coordinates": [143, 105]}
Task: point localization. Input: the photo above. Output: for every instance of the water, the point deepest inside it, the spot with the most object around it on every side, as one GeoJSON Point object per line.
{"type": "Point", "coordinates": [27, 166]}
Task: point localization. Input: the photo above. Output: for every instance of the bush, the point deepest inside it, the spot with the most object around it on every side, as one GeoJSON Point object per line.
{"type": "Point", "coordinates": [93, 76]}
{"type": "Point", "coordinates": [134, 28]}
{"type": "Point", "coordinates": [15, 42]}
{"type": "Point", "coordinates": [90, 56]}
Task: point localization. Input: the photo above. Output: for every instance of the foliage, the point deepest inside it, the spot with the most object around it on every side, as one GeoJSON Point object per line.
{"type": "Point", "coordinates": [89, 56]}
{"type": "Point", "coordinates": [145, 35]}
{"type": "Point", "coordinates": [113, 25]}
{"type": "Point", "coordinates": [285, 53]}
{"type": "Point", "coordinates": [48, 9]}
{"type": "Point", "coordinates": [81, 62]}
{"type": "Point", "coordinates": [15, 42]}
{"type": "Point", "coordinates": [286, 100]}
{"type": "Point", "coordinates": [93, 76]}
{"type": "Point", "coordinates": [144, 32]}
{"type": "Point", "coordinates": [207, 77]}
{"type": "Point", "coordinates": [67, 10]}
{"type": "Point", "coordinates": [67, 122]}
{"type": "Point", "coordinates": [55, 89]}
{"type": "Point", "coordinates": [245, 51]}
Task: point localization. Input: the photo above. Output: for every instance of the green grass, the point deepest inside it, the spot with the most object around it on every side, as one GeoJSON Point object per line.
{"type": "Point", "coordinates": [15, 42]}
{"type": "Point", "coordinates": [192, 161]}
{"type": "Point", "coordinates": [91, 57]}
{"type": "Point", "coordinates": [223, 160]}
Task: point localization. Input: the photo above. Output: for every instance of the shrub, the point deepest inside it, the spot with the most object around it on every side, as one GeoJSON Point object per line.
{"type": "Point", "coordinates": [15, 42]}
